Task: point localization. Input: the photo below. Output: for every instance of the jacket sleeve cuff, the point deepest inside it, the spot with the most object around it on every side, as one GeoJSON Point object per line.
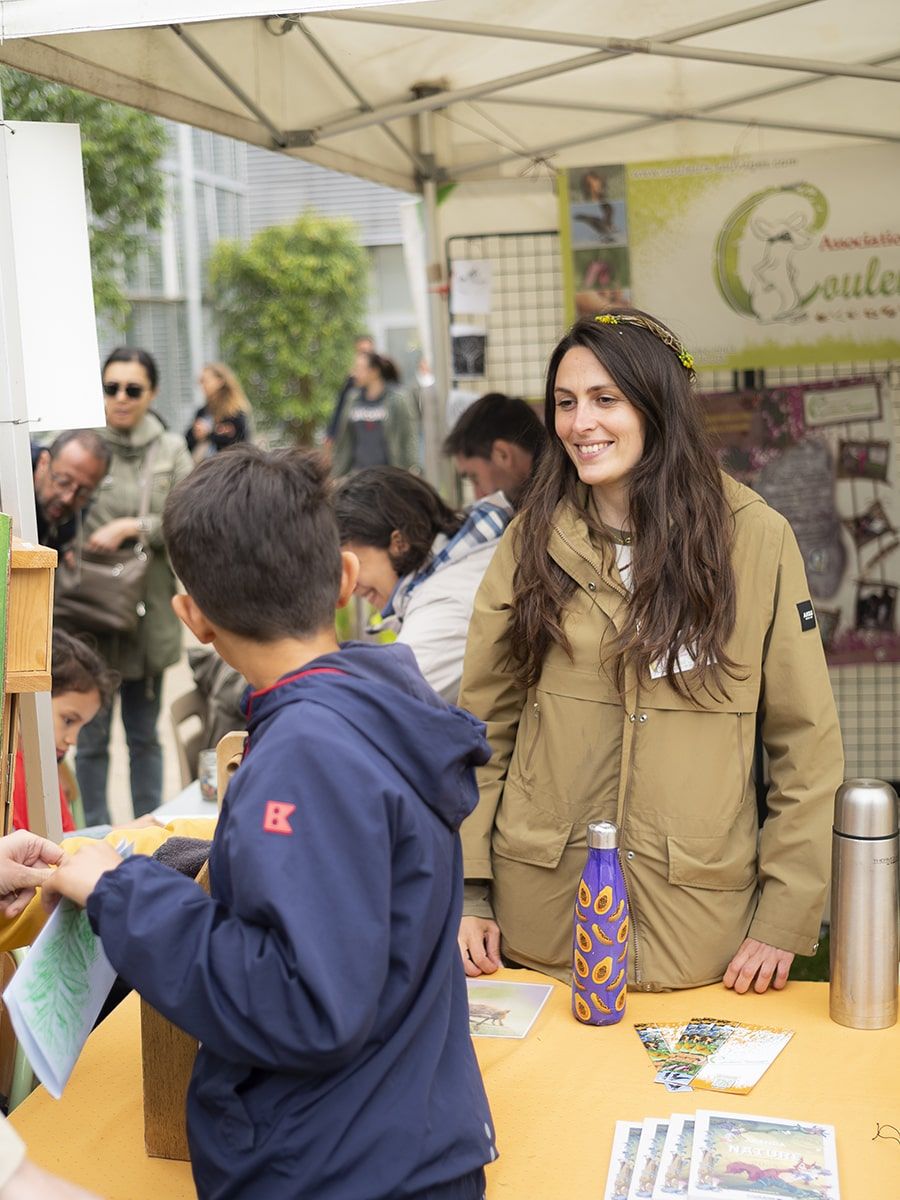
{"type": "Point", "coordinates": [784, 939]}
{"type": "Point", "coordinates": [477, 899]}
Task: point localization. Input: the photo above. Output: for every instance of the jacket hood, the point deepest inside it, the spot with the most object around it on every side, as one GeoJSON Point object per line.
{"type": "Point", "coordinates": [381, 693]}
{"type": "Point", "coordinates": [136, 440]}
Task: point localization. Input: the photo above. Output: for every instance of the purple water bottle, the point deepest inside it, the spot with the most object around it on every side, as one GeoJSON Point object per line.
{"type": "Point", "coordinates": [600, 934]}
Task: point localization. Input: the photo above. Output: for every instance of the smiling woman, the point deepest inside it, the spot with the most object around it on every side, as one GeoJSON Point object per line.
{"type": "Point", "coordinates": [637, 625]}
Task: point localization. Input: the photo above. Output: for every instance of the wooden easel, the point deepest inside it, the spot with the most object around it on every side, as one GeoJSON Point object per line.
{"type": "Point", "coordinates": [28, 633]}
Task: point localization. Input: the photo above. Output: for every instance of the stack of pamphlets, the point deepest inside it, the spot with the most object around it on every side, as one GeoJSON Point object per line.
{"type": "Point", "coordinates": [718, 1055]}
{"type": "Point", "coordinates": [722, 1156]}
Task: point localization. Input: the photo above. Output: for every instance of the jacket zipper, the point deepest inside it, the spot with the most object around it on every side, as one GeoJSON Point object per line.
{"type": "Point", "coordinates": [632, 922]}
{"type": "Point", "coordinates": [590, 562]}
{"type": "Point", "coordinates": [536, 710]}
{"type": "Point", "coordinates": [632, 919]}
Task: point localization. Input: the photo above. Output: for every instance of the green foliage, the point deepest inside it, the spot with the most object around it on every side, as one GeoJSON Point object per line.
{"type": "Point", "coordinates": [288, 306]}
{"type": "Point", "coordinates": [121, 148]}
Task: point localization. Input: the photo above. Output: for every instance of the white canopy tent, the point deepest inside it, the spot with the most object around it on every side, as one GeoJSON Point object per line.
{"type": "Point", "coordinates": [514, 85]}
{"type": "Point", "coordinates": [416, 94]}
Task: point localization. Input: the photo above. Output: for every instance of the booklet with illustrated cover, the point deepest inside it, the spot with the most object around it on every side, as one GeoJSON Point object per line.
{"type": "Point", "coordinates": [621, 1160]}
{"type": "Point", "coordinates": [739, 1157]}
{"type": "Point", "coordinates": [675, 1162]}
{"type": "Point", "coordinates": [646, 1161]}
{"type": "Point", "coordinates": [741, 1062]}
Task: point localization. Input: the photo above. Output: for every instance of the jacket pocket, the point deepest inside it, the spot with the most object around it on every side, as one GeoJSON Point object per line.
{"type": "Point", "coordinates": [722, 864]}
{"type": "Point", "coordinates": [527, 834]}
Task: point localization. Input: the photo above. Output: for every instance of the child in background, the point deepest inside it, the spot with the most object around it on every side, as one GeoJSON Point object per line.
{"type": "Point", "coordinates": [81, 685]}
{"type": "Point", "coordinates": [322, 975]}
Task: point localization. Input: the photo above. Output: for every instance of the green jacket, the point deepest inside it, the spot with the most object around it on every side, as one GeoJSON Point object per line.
{"type": "Point", "coordinates": [677, 779]}
{"type": "Point", "coordinates": [156, 643]}
{"type": "Point", "coordinates": [401, 433]}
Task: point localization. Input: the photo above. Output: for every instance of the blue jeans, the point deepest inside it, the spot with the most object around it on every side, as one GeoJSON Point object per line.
{"type": "Point", "coordinates": [140, 699]}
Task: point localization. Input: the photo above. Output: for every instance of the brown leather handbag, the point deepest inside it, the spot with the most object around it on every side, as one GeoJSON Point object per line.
{"type": "Point", "coordinates": [103, 592]}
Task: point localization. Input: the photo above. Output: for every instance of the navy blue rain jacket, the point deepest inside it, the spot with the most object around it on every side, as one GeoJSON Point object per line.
{"type": "Point", "coordinates": [322, 975]}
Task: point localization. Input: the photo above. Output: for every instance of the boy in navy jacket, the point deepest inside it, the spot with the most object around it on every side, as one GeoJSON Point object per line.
{"type": "Point", "coordinates": [322, 975]}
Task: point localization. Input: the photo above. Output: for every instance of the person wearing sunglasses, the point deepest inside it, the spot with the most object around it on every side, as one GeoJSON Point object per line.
{"type": "Point", "coordinates": [138, 441]}
{"type": "Point", "coordinates": [66, 475]}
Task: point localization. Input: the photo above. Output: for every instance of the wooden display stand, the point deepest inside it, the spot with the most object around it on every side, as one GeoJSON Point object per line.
{"type": "Point", "coordinates": [28, 648]}
{"type": "Point", "coordinates": [167, 1053]}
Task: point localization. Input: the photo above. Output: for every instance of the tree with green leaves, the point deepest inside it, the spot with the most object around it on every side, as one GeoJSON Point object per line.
{"type": "Point", "coordinates": [288, 306]}
{"type": "Point", "coordinates": [121, 148]}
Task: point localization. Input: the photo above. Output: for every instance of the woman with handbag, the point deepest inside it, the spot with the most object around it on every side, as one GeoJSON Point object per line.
{"type": "Point", "coordinates": [125, 523]}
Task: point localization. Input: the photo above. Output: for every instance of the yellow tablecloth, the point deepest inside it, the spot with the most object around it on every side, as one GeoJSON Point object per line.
{"type": "Point", "coordinates": [555, 1096]}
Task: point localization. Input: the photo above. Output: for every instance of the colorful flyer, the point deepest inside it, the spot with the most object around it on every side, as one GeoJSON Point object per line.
{"type": "Point", "coordinates": [621, 1160]}
{"type": "Point", "coordinates": [741, 1062]}
{"type": "Point", "coordinates": [738, 1157]}
{"type": "Point", "coordinates": [647, 1159]}
{"type": "Point", "coordinates": [701, 1038]}
{"type": "Point", "coordinates": [501, 1009]}
{"type": "Point", "coordinates": [675, 1162]}
{"type": "Point", "coordinates": [659, 1040]}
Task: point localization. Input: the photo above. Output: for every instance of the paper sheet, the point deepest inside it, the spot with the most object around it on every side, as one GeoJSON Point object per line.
{"type": "Point", "coordinates": [56, 995]}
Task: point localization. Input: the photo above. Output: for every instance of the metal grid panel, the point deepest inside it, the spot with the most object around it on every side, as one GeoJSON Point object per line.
{"type": "Point", "coordinates": [867, 696]}
{"type": "Point", "coordinates": [525, 322]}
{"type": "Point", "coordinates": [526, 315]}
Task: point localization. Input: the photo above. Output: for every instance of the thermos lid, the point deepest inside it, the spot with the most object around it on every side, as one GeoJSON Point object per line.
{"type": "Point", "coordinates": [865, 808]}
{"type": "Point", "coordinates": [602, 835]}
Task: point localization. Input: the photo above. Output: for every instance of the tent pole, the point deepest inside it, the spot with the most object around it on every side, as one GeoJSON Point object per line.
{"type": "Point", "coordinates": [698, 114]}
{"type": "Point", "coordinates": [434, 399]}
{"type": "Point", "coordinates": [515, 33]}
{"type": "Point", "coordinates": [233, 87]}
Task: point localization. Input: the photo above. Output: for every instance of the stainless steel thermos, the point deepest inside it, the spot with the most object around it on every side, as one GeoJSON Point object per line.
{"type": "Point", "coordinates": [864, 905]}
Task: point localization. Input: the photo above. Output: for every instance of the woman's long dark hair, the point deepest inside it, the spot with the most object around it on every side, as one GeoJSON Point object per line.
{"type": "Point", "coordinates": [683, 586]}
{"type": "Point", "coordinates": [374, 502]}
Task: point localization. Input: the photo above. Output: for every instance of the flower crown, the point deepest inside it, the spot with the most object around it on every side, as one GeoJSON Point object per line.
{"type": "Point", "coordinates": [667, 338]}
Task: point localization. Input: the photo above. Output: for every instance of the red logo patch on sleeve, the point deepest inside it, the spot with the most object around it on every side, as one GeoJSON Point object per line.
{"type": "Point", "coordinates": [276, 818]}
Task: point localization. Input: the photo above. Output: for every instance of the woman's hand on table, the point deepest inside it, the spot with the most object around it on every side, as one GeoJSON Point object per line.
{"type": "Point", "coordinates": [25, 861]}
{"type": "Point", "coordinates": [79, 874]}
{"type": "Point", "coordinates": [766, 964]}
{"type": "Point", "coordinates": [111, 536]}
{"type": "Point", "coordinates": [479, 945]}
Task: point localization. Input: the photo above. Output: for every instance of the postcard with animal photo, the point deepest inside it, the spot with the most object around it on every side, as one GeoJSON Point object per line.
{"type": "Point", "coordinates": [626, 1140]}
{"type": "Point", "coordinates": [501, 1009]}
{"type": "Point", "coordinates": [648, 1157]}
{"type": "Point", "coordinates": [675, 1162]}
{"type": "Point", "coordinates": [739, 1157]}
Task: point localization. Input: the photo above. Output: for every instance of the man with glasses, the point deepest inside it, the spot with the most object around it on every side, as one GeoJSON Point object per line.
{"type": "Point", "coordinates": [66, 475]}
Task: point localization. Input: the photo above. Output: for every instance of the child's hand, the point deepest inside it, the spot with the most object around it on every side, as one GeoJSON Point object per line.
{"type": "Point", "coordinates": [77, 877]}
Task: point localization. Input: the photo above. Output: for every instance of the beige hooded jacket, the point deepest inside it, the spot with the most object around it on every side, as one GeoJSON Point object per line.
{"type": "Point", "coordinates": [675, 777]}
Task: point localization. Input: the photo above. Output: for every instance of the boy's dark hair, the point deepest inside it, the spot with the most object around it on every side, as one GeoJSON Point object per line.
{"type": "Point", "coordinates": [75, 667]}
{"type": "Point", "coordinates": [375, 502]}
{"type": "Point", "coordinates": [253, 537]}
{"type": "Point", "coordinates": [495, 416]}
